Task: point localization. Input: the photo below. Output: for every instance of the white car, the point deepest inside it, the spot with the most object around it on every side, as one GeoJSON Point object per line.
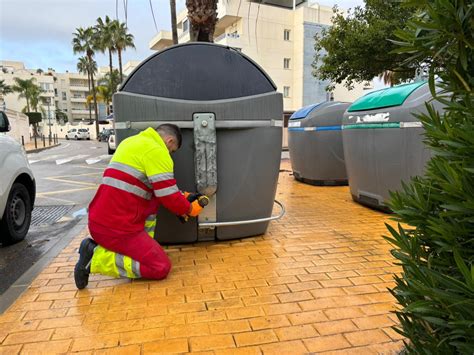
{"type": "Point", "coordinates": [112, 144]}
{"type": "Point", "coordinates": [78, 133]}
{"type": "Point", "coordinates": [17, 188]}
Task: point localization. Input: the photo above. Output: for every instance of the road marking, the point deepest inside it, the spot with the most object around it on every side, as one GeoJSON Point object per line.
{"type": "Point", "coordinates": [98, 159]}
{"type": "Point", "coordinates": [67, 160]}
{"type": "Point", "coordinates": [73, 182]}
{"type": "Point", "coordinates": [47, 158]}
{"type": "Point", "coordinates": [68, 176]}
{"type": "Point", "coordinates": [41, 194]}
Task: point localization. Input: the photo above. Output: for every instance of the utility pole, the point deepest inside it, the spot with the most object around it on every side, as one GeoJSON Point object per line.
{"type": "Point", "coordinates": [49, 118]}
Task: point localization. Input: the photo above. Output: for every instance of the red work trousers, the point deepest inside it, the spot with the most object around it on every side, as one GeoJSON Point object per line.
{"type": "Point", "coordinates": [154, 263]}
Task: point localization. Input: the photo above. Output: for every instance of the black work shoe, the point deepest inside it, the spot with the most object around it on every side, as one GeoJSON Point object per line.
{"type": "Point", "coordinates": [83, 268]}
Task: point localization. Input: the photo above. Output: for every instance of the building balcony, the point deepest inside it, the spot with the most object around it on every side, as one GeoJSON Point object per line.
{"type": "Point", "coordinates": [80, 111]}
{"type": "Point", "coordinates": [79, 99]}
{"type": "Point", "coordinates": [162, 40]}
{"type": "Point", "coordinates": [79, 88]}
{"type": "Point", "coordinates": [228, 39]}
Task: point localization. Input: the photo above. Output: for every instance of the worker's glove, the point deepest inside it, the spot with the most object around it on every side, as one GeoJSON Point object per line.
{"type": "Point", "coordinates": [196, 208]}
{"type": "Point", "coordinates": [192, 196]}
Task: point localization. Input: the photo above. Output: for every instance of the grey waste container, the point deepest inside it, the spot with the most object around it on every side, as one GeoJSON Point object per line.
{"type": "Point", "coordinates": [383, 141]}
{"type": "Point", "coordinates": [230, 115]}
{"type": "Point", "coordinates": [315, 144]}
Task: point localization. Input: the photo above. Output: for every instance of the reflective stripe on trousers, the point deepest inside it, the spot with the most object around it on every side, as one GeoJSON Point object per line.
{"type": "Point", "coordinates": [113, 264]}
{"type": "Point", "coordinates": [109, 263]}
{"type": "Point", "coordinates": [150, 225]}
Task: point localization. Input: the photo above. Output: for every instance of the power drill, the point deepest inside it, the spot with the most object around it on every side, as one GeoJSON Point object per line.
{"type": "Point", "coordinates": [203, 201]}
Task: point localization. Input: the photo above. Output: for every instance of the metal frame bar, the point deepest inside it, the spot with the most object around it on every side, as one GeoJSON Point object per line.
{"type": "Point", "coordinates": [190, 124]}
{"type": "Point", "coordinates": [250, 221]}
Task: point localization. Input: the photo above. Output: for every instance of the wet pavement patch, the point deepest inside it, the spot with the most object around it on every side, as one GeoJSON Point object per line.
{"type": "Point", "coordinates": [44, 215]}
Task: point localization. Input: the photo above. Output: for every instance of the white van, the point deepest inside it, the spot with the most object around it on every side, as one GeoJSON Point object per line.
{"type": "Point", "coordinates": [17, 187]}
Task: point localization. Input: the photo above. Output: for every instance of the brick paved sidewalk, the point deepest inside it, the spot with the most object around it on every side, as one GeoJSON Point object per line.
{"type": "Point", "coordinates": [316, 282]}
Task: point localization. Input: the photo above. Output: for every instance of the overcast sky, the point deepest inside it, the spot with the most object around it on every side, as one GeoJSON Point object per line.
{"type": "Point", "coordinates": [39, 32]}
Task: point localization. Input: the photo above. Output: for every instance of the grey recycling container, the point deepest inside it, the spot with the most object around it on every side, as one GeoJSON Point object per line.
{"type": "Point", "coordinates": [315, 144]}
{"type": "Point", "coordinates": [230, 115]}
{"type": "Point", "coordinates": [383, 141]}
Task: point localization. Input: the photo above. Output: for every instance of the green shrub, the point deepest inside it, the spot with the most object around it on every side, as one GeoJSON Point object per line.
{"type": "Point", "coordinates": [436, 248]}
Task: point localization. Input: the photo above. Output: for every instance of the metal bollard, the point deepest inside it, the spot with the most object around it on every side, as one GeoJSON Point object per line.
{"type": "Point", "coordinates": [36, 144]}
{"type": "Point", "coordinates": [44, 141]}
{"type": "Point", "coordinates": [22, 141]}
{"type": "Point", "coordinates": [49, 139]}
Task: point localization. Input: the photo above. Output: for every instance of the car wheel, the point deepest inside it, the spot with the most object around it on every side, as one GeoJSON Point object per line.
{"type": "Point", "coordinates": [67, 138]}
{"type": "Point", "coordinates": [88, 138]}
{"type": "Point", "coordinates": [76, 138]}
{"type": "Point", "coordinates": [17, 216]}
{"type": "Point", "coordinates": [110, 151]}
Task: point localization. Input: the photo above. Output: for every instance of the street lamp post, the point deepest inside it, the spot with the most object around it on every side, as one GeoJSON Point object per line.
{"type": "Point", "coordinates": [49, 119]}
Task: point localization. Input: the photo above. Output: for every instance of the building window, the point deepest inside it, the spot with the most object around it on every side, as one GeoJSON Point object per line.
{"type": "Point", "coordinates": [329, 96]}
{"type": "Point", "coordinates": [186, 25]}
{"type": "Point", "coordinates": [286, 91]}
{"type": "Point", "coordinates": [286, 35]}
{"type": "Point", "coordinates": [64, 95]}
{"type": "Point", "coordinates": [286, 63]}
{"type": "Point", "coordinates": [55, 92]}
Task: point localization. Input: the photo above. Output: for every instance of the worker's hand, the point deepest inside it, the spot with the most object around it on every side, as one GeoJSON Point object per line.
{"type": "Point", "coordinates": [195, 209]}
{"type": "Point", "coordinates": [191, 196]}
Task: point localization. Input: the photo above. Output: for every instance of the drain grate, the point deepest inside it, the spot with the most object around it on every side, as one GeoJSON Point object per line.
{"type": "Point", "coordinates": [48, 214]}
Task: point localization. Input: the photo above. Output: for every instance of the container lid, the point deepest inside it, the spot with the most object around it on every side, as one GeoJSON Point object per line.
{"type": "Point", "coordinates": [394, 96]}
{"type": "Point", "coordinates": [198, 71]}
{"type": "Point", "coordinates": [303, 112]}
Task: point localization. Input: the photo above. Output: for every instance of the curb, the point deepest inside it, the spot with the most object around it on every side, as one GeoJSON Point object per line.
{"type": "Point", "coordinates": [42, 148]}
{"type": "Point", "coordinates": [21, 285]}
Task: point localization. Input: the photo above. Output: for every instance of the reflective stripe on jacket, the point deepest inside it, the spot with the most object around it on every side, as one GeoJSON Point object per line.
{"type": "Point", "coordinates": [137, 181]}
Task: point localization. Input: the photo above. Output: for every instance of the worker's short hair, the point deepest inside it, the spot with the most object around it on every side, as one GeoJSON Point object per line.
{"type": "Point", "coordinates": [171, 130]}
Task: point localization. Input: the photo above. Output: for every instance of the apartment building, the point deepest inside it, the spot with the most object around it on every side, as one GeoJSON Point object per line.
{"type": "Point", "coordinates": [66, 91]}
{"type": "Point", "coordinates": [12, 69]}
{"type": "Point", "coordinates": [277, 37]}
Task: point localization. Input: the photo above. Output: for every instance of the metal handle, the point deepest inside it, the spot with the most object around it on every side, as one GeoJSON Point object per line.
{"type": "Point", "coordinates": [250, 221]}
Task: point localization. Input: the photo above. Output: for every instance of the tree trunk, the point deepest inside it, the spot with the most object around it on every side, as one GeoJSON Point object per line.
{"type": "Point", "coordinates": [202, 15]}
{"type": "Point", "coordinates": [94, 95]}
{"type": "Point", "coordinates": [119, 52]}
{"type": "Point", "coordinates": [110, 63]}
{"type": "Point", "coordinates": [89, 84]}
{"type": "Point", "coordinates": [174, 29]}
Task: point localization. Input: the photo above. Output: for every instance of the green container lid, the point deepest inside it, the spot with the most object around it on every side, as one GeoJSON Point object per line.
{"type": "Point", "coordinates": [394, 96]}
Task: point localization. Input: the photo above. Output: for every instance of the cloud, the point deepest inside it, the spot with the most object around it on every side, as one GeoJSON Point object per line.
{"type": "Point", "coordinates": [39, 33]}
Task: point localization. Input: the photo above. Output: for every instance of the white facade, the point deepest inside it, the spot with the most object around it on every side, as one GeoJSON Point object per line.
{"type": "Point", "coordinates": [71, 92]}
{"type": "Point", "coordinates": [279, 39]}
{"type": "Point", "coordinates": [19, 126]}
{"type": "Point", "coordinates": [10, 70]}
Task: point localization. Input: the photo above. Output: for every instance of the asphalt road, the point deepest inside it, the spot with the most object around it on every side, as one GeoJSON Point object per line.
{"type": "Point", "coordinates": [66, 180]}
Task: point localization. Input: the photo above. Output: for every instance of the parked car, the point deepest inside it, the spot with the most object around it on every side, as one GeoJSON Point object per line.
{"type": "Point", "coordinates": [78, 133]}
{"type": "Point", "coordinates": [105, 134]}
{"type": "Point", "coordinates": [17, 187]}
{"type": "Point", "coordinates": [112, 144]}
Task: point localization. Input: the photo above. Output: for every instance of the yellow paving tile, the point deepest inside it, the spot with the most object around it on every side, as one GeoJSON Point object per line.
{"type": "Point", "coordinates": [315, 282]}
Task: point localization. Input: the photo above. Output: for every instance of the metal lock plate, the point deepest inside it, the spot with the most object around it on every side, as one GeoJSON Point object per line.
{"type": "Point", "coordinates": [205, 162]}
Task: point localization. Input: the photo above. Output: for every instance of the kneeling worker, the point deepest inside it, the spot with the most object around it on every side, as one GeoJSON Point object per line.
{"type": "Point", "coordinates": [122, 214]}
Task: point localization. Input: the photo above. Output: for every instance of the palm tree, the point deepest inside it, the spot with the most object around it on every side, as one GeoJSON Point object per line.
{"type": "Point", "coordinates": [105, 30]}
{"type": "Point", "coordinates": [174, 27]}
{"type": "Point", "coordinates": [35, 94]}
{"type": "Point", "coordinates": [85, 67]}
{"type": "Point", "coordinates": [107, 86]}
{"type": "Point", "coordinates": [24, 88]}
{"type": "Point", "coordinates": [202, 15]}
{"type": "Point", "coordinates": [86, 41]}
{"type": "Point", "coordinates": [122, 40]}
{"type": "Point", "coordinates": [4, 88]}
